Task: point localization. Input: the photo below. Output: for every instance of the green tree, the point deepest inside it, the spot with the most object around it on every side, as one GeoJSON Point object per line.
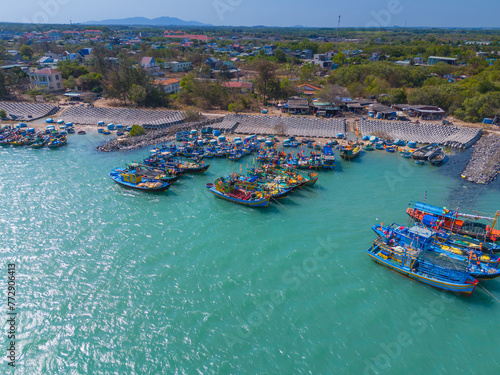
{"type": "Point", "coordinates": [137, 130]}
{"type": "Point", "coordinates": [266, 80]}
{"type": "Point", "coordinates": [71, 68]}
{"type": "Point", "coordinates": [4, 92]}
{"type": "Point", "coordinates": [3, 114]}
{"type": "Point", "coordinates": [26, 51]}
{"type": "Point", "coordinates": [280, 55]}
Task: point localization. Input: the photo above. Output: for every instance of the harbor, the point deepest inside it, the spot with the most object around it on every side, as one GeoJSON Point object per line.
{"type": "Point", "coordinates": [81, 227]}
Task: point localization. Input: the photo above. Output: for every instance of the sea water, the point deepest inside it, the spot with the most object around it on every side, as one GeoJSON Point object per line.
{"type": "Point", "coordinates": [111, 280]}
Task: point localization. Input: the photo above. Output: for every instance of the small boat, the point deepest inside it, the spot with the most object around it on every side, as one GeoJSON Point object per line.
{"type": "Point", "coordinates": [230, 193]}
{"type": "Point", "coordinates": [134, 181]}
{"type": "Point", "coordinates": [368, 147]}
{"type": "Point", "coordinates": [70, 130]}
{"type": "Point", "coordinates": [412, 144]}
{"type": "Point", "coordinates": [379, 145]}
{"type": "Point", "coordinates": [405, 154]}
{"type": "Point", "coordinates": [424, 153]}
{"type": "Point", "coordinates": [119, 133]}
{"type": "Point", "coordinates": [81, 132]}
{"type": "Point", "coordinates": [437, 157]}
{"type": "Point", "coordinates": [349, 152]}
{"type": "Point", "coordinates": [105, 132]}
{"type": "Point", "coordinates": [390, 149]}
{"type": "Point", "coordinates": [419, 162]}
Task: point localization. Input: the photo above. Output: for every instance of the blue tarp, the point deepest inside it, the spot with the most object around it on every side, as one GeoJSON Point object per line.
{"type": "Point", "coordinates": [434, 210]}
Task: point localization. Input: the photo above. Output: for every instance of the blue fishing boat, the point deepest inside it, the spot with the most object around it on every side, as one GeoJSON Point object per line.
{"type": "Point", "coordinates": [130, 180]}
{"type": "Point", "coordinates": [408, 263]}
{"type": "Point", "coordinates": [379, 145]}
{"type": "Point", "coordinates": [424, 241]}
{"type": "Point", "coordinates": [390, 149]}
{"type": "Point", "coordinates": [224, 191]}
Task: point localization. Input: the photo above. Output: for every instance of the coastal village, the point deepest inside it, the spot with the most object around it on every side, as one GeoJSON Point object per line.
{"type": "Point", "coordinates": [79, 76]}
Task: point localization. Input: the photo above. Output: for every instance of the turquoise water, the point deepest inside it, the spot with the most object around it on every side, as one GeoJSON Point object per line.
{"type": "Point", "coordinates": [117, 281]}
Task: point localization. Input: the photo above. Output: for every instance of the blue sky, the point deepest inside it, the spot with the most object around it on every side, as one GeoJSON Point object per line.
{"type": "Point", "coordinates": [324, 13]}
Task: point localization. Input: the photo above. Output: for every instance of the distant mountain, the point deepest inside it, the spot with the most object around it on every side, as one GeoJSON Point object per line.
{"type": "Point", "coordinates": [143, 21]}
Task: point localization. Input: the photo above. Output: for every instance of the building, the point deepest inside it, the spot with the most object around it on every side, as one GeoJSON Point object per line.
{"type": "Point", "coordinates": [46, 79]}
{"type": "Point", "coordinates": [308, 89]}
{"type": "Point", "coordinates": [242, 87]}
{"type": "Point", "coordinates": [374, 57]}
{"type": "Point", "coordinates": [178, 66]}
{"type": "Point", "coordinates": [433, 60]}
{"type": "Point", "coordinates": [149, 64]}
{"type": "Point", "coordinates": [322, 61]}
{"type": "Point", "coordinates": [170, 86]}
{"type": "Point", "coordinates": [297, 105]}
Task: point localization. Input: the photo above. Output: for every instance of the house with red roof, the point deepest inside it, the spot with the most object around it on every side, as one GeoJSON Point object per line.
{"type": "Point", "coordinates": [242, 87]}
{"type": "Point", "coordinates": [46, 79]}
{"type": "Point", "coordinates": [171, 85]}
{"type": "Point", "coordinates": [308, 89]}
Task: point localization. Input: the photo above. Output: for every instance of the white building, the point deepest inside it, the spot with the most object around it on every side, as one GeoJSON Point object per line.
{"type": "Point", "coordinates": [170, 86]}
{"type": "Point", "coordinates": [178, 66]}
{"type": "Point", "coordinates": [46, 79]}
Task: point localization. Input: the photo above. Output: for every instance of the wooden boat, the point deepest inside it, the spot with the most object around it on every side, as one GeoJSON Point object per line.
{"type": "Point", "coordinates": [133, 181]}
{"type": "Point", "coordinates": [437, 157]}
{"type": "Point", "coordinates": [425, 152]}
{"type": "Point", "coordinates": [408, 263]}
{"type": "Point", "coordinates": [39, 144]}
{"type": "Point", "coordinates": [448, 219]}
{"type": "Point", "coordinates": [424, 240]}
{"type": "Point", "coordinates": [57, 142]}
{"type": "Point", "coordinates": [349, 152]}
{"type": "Point", "coordinates": [189, 167]}
{"type": "Point", "coordinates": [230, 193]}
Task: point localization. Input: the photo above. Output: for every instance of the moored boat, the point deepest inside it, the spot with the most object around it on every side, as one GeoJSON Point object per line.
{"type": "Point", "coordinates": [134, 181]}
{"type": "Point", "coordinates": [408, 263]}
{"type": "Point", "coordinates": [227, 192]}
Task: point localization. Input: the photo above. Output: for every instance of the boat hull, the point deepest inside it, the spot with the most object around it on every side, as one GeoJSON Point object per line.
{"type": "Point", "coordinates": [164, 186]}
{"type": "Point", "coordinates": [465, 288]}
{"type": "Point", "coordinates": [264, 202]}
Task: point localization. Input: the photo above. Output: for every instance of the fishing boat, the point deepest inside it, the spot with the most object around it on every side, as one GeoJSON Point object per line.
{"type": "Point", "coordinates": [390, 149]}
{"type": "Point", "coordinates": [57, 142]}
{"type": "Point", "coordinates": [379, 145]}
{"type": "Point", "coordinates": [438, 157]}
{"type": "Point", "coordinates": [134, 181]}
{"type": "Point", "coordinates": [82, 132]}
{"type": "Point", "coordinates": [409, 263]}
{"type": "Point", "coordinates": [105, 131]}
{"type": "Point", "coordinates": [224, 190]}
{"type": "Point", "coordinates": [368, 147]}
{"type": "Point", "coordinates": [39, 144]}
{"type": "Point", "coordinates": [423, 240]}
{"type": "Point", "coordinates": [328, 158]}
{"type": "Point", "coordinates": [424, 153]}
{"type": "Point", "coordinates": [349, 152]}
{"type": "Point", "coordinates": [449, 220]}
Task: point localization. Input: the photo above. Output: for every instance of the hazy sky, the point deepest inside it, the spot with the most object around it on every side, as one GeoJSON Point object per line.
{"type": "Point", "coordinates": [360, 13]}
